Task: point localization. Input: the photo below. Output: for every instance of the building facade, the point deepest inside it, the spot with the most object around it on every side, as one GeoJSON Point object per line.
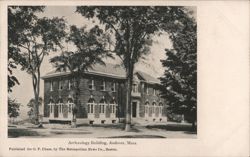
{"type": "Point", "coordinates": [102, 96]}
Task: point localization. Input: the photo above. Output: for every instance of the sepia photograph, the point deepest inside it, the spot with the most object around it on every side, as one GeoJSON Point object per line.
{"type": "Point", "coordinates": [124, 78]}
{"type": "Point", "coordinates": [102, 72]}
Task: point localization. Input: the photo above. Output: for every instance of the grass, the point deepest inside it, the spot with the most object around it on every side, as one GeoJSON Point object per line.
{"type": "Point", "coordinates": [187, 128]}
{"type": "Point", "coordinates": [12, 133]}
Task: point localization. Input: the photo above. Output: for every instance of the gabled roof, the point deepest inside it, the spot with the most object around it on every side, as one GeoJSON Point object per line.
{"type": "Point", "coordinates": [108, 70]}
{"type": "Point", "coordinates": [148, 78]}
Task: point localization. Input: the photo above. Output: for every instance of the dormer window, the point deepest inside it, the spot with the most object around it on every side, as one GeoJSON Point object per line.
{"type": "Point", "coordinates": [91, 85]}
{"type": "Point", "coordinates": [135, 88]}
{"type": "Point", "coordinates": [103, 85]}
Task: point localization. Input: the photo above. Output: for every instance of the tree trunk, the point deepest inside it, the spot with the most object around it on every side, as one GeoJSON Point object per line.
{"type": "Point", "coordinates": [36, 94]}
{"type": "Point", "coordinates": [128, 107]}
{"type": "Point", "coordinates": [128, 96]}
{"type": "Point", "coordinates": [36, 110]}
{"type": "Point", "coordinates": [76, 101]}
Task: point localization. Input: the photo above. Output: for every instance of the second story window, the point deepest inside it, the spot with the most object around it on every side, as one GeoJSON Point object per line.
{"type": "Point", "coordinates": [60, 87]}
{"type": "Point", "coordinates": [147, 90]}
{"type": "Point", "coordinates": [71, 84]}
{"type": "Point", "coordinates": [113, 86]}
{"type": "Point", "coordinates": [51, 85]}
{"type": "Point", "coordinates": [134, 88]}
{"type": "Point", "coordinates": [103, 85]}
{"type": "Point", "coordinates": [91, 84]}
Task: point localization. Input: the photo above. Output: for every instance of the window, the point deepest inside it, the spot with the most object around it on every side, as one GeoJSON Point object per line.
{"type": "Point", "coordinates": [146, 109]}
{"type": "Point", "coordinates": [147, 89]}
{"type": "Point", "coordinates": [60, 104]}
{"type": "Point", "coordinates": [70, 84]}
{"type": "Point", "coordinates": [91, 105]}
{"type": "Point", "coordinates": [154, 104]}
{"type": "Point", "coordinates": [154, 92]}
{"type": "Point", "coordinates": [113, 86]}
{"type": "Point", "coordinates": [51, 109]}
{"type": "Point", "coordinates": [70, 104]}
{"type": "Point", "coordinates": [60, 87]}
{"type": "Point", "coordinates": [91, 85]}
{"type": "Point", "coordinates": [113, 106]}
{"type": "Point", "coordinates": [103, 86]}
{"type": "Point", "coordinates": [102, 105]}
{"type": "Point", "coordinates": [51, 85]}
{"type": "Point", "coordinates": [70, 108]}
{"type": "Point", "coordinates": [134, 88]}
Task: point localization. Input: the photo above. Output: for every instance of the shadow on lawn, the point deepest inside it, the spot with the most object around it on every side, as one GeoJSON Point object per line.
{"type": "Point", "coordinates": [137, 136]}
{"type": "Point", "coordinates": [174, 127]}
{"type": "Point", "coordinates": [69, 132]}
{"type": "Point", "coordinates": [119, 126]}
{"type": "Point", "coordinates": [13, 133]}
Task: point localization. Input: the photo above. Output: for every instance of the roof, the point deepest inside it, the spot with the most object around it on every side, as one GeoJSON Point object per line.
{"type": "Point", "coordinates": [108, 70]}
{"type": "Point", "coordinates": [148, 78]}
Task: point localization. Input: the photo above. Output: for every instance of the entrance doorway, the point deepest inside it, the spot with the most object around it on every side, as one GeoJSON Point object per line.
{"type": "Point", "coordinates": [134, 109]}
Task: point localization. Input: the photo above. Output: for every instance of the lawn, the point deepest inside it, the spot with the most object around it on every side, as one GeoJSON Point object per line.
{"type": "Point", "coordinates": [171, 130]}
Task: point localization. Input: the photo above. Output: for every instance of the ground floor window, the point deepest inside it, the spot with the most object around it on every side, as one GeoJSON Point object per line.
{"type": "Point", "coordinates": [91, 104]}
{"type": "Point", "coordinates": [90, 107]}
{"type": "Point", "coordinates": [146, 109]}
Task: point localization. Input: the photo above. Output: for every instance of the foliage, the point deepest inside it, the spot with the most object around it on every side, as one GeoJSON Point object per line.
{"type": "Point", "coordinates": [31, 106]}
{"type": "Point", "coordinates": [16, 26]}
{"type": "Point", "coordinates": [90, 49]}
{"type": "Point", "coordinates": [31, 38]}
{"type": "Point", "coordinates": [13, 108]}
{"type": "Point", "coordinates": [180, 77]}
{"type": "Point", "coordinates": [133, 28]}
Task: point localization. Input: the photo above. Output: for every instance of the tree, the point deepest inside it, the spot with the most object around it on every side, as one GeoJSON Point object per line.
{"type": "Point", "coordinates": [16, 26]}
{"type": "Point", "coordinates": [13, 108]}
{"type": "Point", "coordinates": [31, 105]}
{"type": "Point", "coordinates": [90, 49]}
{"type": "Point", "coordinates": [36, 39]}
{"type": "Point", "coordinates": [133, 28]}
{"type": "Point", "coordinates": [180, 77]}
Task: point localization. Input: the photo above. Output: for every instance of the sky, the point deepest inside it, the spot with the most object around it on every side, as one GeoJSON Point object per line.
{"type": "Point", "coordinates": [24, 92]}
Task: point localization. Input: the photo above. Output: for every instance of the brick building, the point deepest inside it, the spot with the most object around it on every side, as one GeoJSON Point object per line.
{"type": "Point", "coordinates": [102, 96]}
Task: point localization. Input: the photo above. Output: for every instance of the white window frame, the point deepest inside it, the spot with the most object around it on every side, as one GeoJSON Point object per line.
{"type": "Point", "coordinates": [102, 108]}
{"type": "Point", "coordinates": [146, 109]}
{"type": "Point", "coordinates": [69, 84]}
{"type": "Point", "coordinates": [60, 87]}
{"type": "Point", "coordinates": [91, 108]}
{"type": "Point", "coordinates": [92, 85]}
{"type": "Point", "coordinates": [135, 87]}
{"type": "Point", "coordinates": [147, 89]}
{"type": "Point", "coordinates": [60, 110]}
{"type": "Point", "coordinates": [51, 85]}
{"type": "Point", "coordinates": [51, 109]}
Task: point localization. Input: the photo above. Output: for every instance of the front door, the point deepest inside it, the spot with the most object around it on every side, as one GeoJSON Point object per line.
{"type": "Point", "coordinates": [134, 108]}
